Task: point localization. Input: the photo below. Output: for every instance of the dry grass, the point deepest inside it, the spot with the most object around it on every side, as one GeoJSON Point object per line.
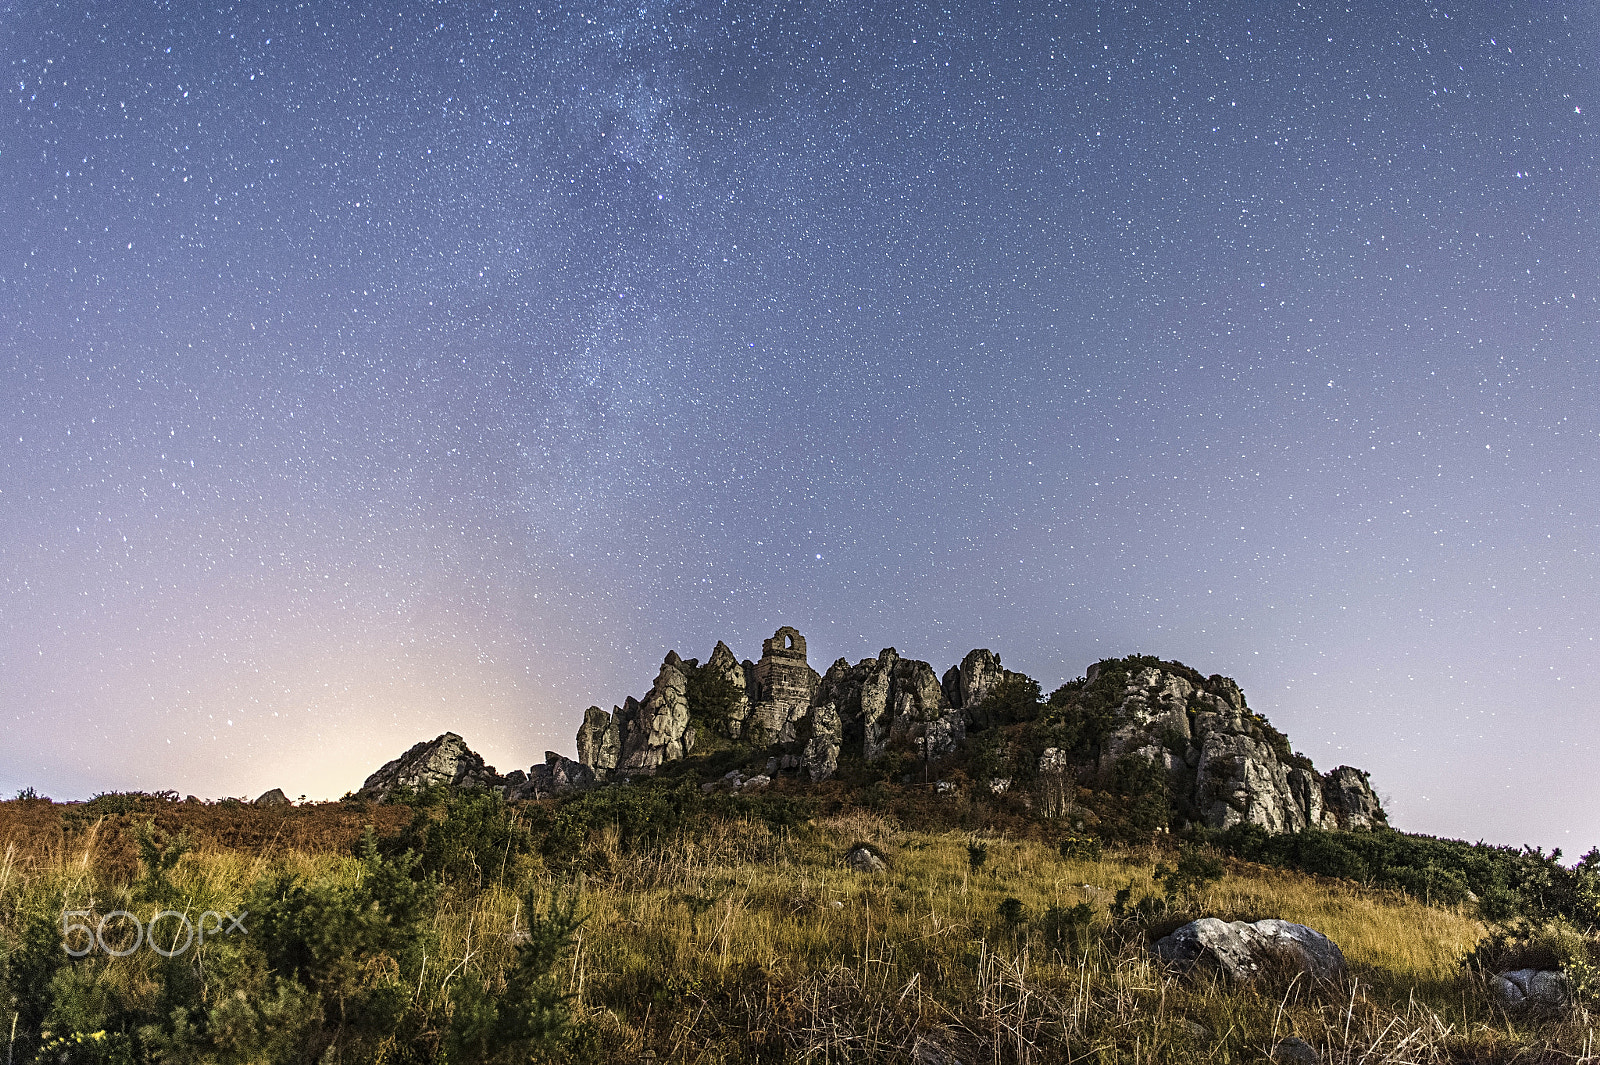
{"type": "Point", "coordinates": [747, 945]}
{"type": "Point", "coordinates": [741, 944]}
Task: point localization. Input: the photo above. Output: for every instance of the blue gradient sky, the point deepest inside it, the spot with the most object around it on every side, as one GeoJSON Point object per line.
{"type": "Point", "coordinates": [367, 373]}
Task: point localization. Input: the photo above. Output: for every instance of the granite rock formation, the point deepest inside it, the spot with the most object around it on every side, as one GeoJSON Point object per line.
{"type": "Point", "coordinates": [890, 699]}
{"type": "Point", "coordinates": [558, 775]}
{"type": "Point", "coordinates": [1224, 764]}
{"type": "Point", "coordinates": [1226, 761]}
{"type": "Point", "coordinates": [1348, 791]}
{"type": "Point", "coordinates": [598, 741]}
{"type": "Point", "coordinates": [820, 756]}
{"type": "Point", "coordinates": [657, 729]}
{"type": "Point", "coordinates": [968, 685]}
{"type": "Point", "coordinates": [444, 760]}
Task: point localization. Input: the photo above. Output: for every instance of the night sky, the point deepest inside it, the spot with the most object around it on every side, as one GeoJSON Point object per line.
{"type": "Point", "coordinates": [368, 372]}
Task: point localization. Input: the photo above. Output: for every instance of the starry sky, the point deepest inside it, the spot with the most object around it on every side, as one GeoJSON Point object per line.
{"type": "Point", "coordinates": [370, 371]}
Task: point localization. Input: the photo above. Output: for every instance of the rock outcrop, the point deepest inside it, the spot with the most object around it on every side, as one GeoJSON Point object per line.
{"type": "Point", "coordinates": [598, 742]}
{"type": "Point", "coordinates": [1227, 762]}
{"type": "Point", "coordinates": [977, 677]}
{"type": "Point", "coordinates": [656, 730]}
{"type": "Point", "coordinates": [1243, 952]}
{"type": "Point", "coordinates": [1348, 793]}
{"type": "Point", "coordinates": [444, 760]}
{"type": "Point", "coordinates": [1224, 764]}
{"type": "Point", "coordinates": [889, 699]}
{"type": "Point", "coordinates": [558, 775]}
{"type": "Point", "coordinates": [275, 797]}
{"type": "Point", "coordinates": [820, 756]}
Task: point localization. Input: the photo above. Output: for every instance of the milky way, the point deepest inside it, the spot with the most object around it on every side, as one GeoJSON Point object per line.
{"type": "Point", "coordinates": [367, 373]}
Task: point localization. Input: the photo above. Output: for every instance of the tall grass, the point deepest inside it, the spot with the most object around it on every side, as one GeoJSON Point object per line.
{"type": "Point", "coordinates": [740, 943]}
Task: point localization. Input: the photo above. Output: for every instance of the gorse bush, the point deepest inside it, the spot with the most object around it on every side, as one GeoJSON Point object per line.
{"type": "Point", "coordinates": [1069, 930]}
{"type": "Point", "coordinates": [524, 1010]}
{"type": "Point", "coordinates": [1510, 883]}
{"type": "Point", "coordinates": [343, 962]}
{"type": "Point", "coordinates": [1195, 869]}
{"type": "Point", "coordinates": [1015, 699]}
{"type": "Point", "coordinates": [711, 697]}
{"type": "Point", "coordinates": [469, 839]}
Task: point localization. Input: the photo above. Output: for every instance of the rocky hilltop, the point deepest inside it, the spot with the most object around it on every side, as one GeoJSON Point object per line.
{"type": "Point", "coordinates": [1139, 724]}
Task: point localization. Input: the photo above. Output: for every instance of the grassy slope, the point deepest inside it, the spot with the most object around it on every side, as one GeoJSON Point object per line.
{"type": "Point", "coordinates": [742, 944]}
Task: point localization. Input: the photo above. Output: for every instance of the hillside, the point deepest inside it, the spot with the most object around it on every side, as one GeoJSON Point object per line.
{"type": "Point", "coordinates": [863, 865]}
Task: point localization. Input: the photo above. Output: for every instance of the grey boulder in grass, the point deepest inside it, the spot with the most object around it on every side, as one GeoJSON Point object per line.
{"type": "Point", "coordinates": [1531, 991]}
{"type": "Point", "coordinates": [1243, 951]}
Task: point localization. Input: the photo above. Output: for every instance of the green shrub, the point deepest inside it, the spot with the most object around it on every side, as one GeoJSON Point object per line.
{"type": "Point", "coordinates": [711, 697]}
{"type": "Point", "coordinates": [1015, 699]}
{"type": "Point", "coordinates": [470, 840]}
{"type": "Point", "coordinates": [1196, 868]}
{"type": "Point", "coordinates": [525, 1012]}
{"type": "Point", "coordinates": [1142, 784]}
{"type": "Point", "coordinates": [1012, 911]}
{"type": "Point", "coordinates": [1510, 883]}
{"type": "Point", "coordinates": [1067, 929]}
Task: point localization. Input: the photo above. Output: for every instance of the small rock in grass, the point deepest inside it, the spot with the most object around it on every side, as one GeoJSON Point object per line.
{"type": "Point", "coordinates": [865, 858]}
{"type": "Point", "coordinates": [1296, 1051]}
{"type": "Point", "coordinates": [1530, 991]}
{"type": "Point", "coordinates": [926, 1052]}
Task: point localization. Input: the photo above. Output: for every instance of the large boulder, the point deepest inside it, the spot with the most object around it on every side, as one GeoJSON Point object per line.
{"type": "Point", "coordinates": [1243, 952]}
{"type": "Point", "coordinates": [275, 797]}
{"type": "Point", "coordinates": [1531, 991]}
{"type": "Point", "coordinates": [865, 858]}
{"type": "Point", "coordinates": [445, 760]}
